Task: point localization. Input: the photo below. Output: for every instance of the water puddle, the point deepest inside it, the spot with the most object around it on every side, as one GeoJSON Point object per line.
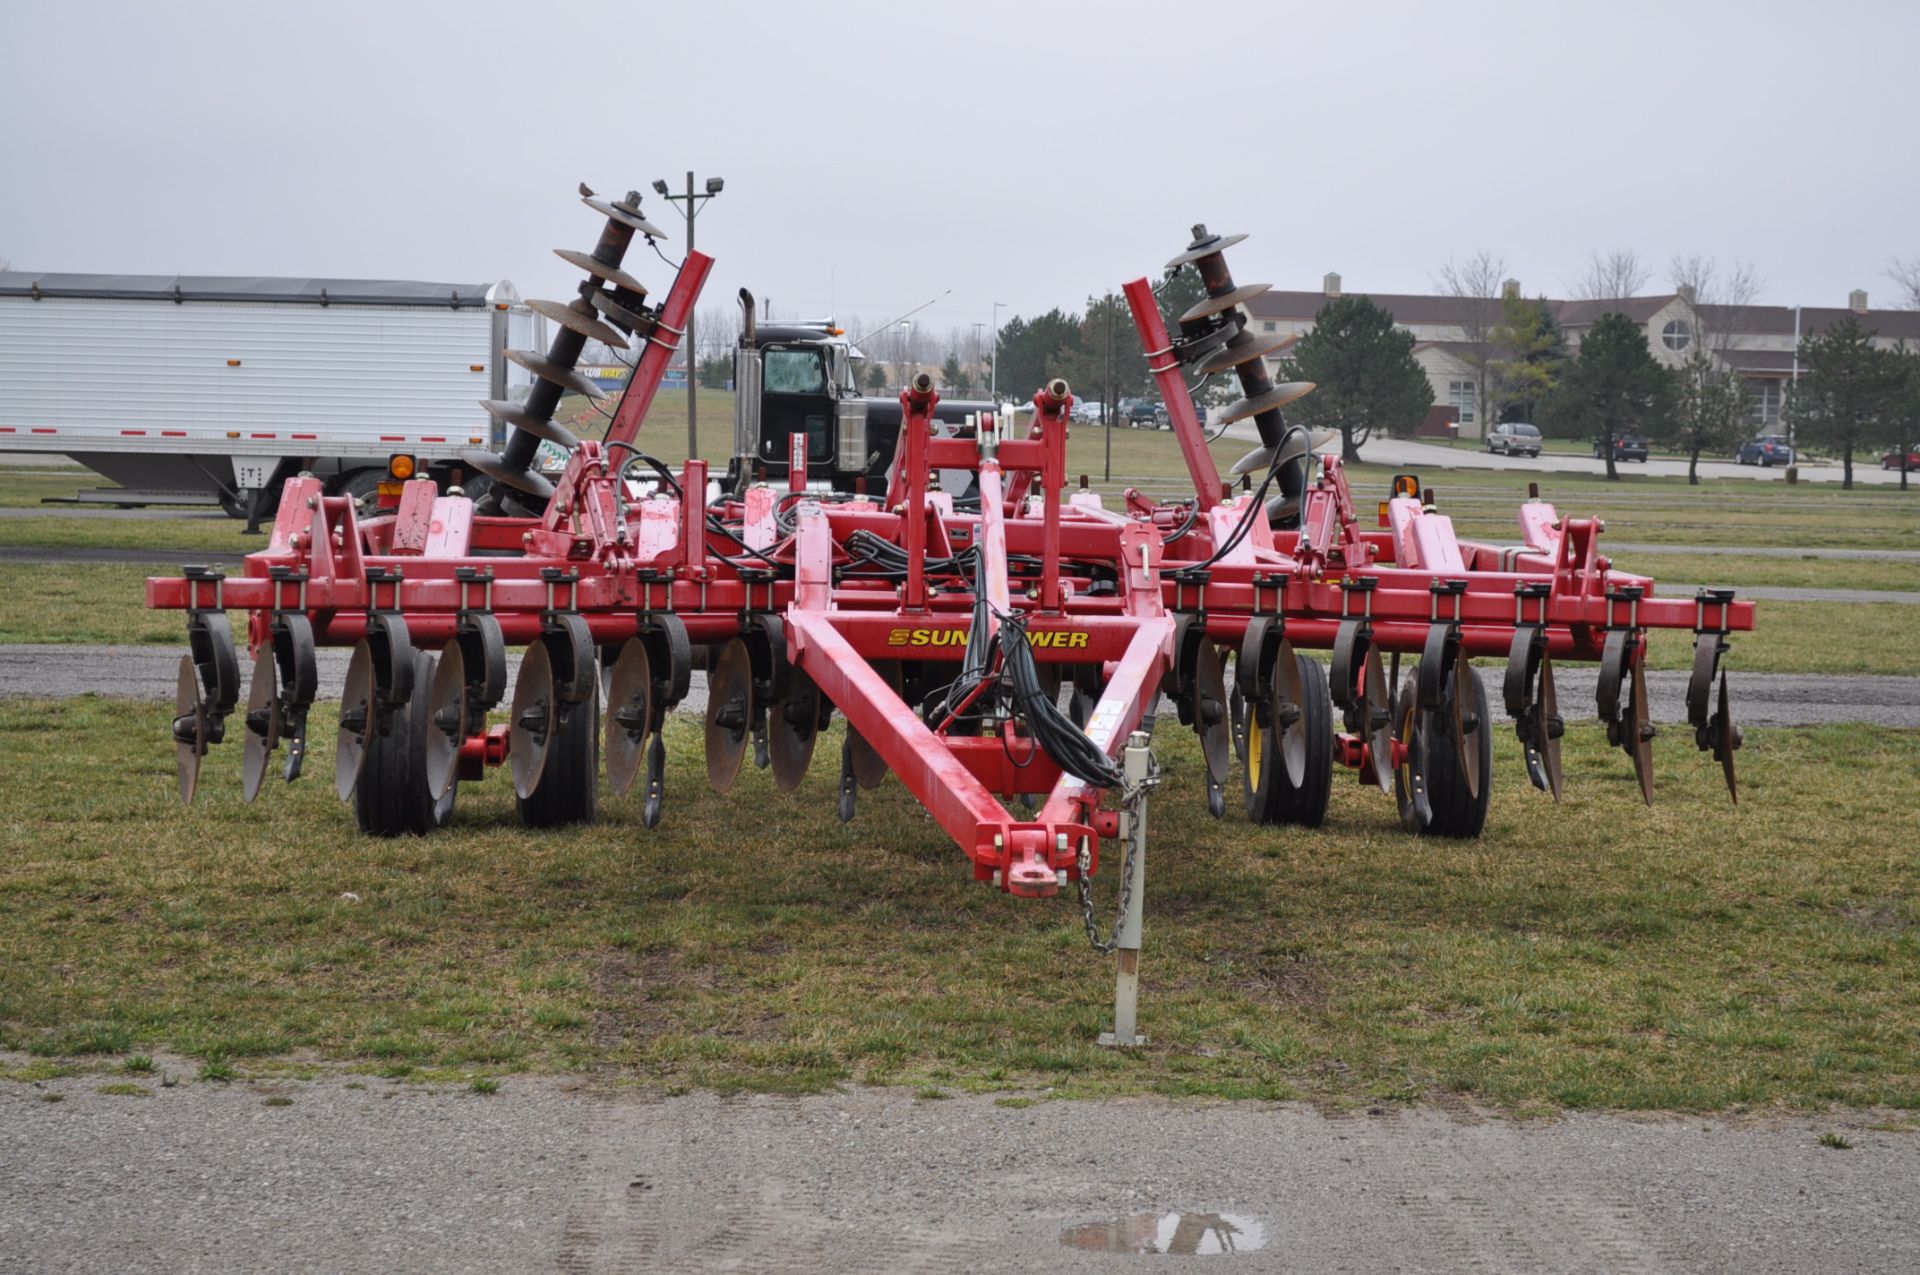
{"type": "Point", "coordinates": [1184, 1234]}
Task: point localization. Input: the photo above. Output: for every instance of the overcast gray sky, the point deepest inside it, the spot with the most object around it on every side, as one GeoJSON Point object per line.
{"type": "Point", "coordinates": [878, 154]}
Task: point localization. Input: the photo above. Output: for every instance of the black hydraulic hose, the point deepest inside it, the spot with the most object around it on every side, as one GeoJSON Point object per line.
{"type": "Point", "coordinates": [1256, 508]}
{"type": "Point", "coordinates": [1069, 747]}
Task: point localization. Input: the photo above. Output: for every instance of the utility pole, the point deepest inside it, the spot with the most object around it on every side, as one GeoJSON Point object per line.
{"type": "Point", "coordinates": [993, 376]}
{"type": "Point", "coordinates": [1106, 391]}
{"type": "Point", "coordinates": [692, 202]}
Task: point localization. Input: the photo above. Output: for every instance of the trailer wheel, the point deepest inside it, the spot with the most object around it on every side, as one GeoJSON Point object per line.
{"type": "Point", "coordinates": [1457, 811]}
{"type": "Point", "coordinates": [570, 776]}
{"type": "Point", "coordinates": [392, 798]}
{"type": "Point", "coordinates": [363, 485]}
{"type": "Point", "coordinates": [1271, 795]}
{"type": "Point", "coordinates": [235, 504]}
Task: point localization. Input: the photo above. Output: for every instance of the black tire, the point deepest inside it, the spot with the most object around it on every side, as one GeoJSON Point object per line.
{"type": "Point", "coordinates": [570, 778]}
{"type": "Point", "coordinates": [364, 486]}
{"type": "Point", "coordinates": [476, 486]}
{"type": "Point", "coordinates": [1270, 795]}
{"type": "Point", "coordinates": [392, 799]}
{"type": "Point", "coordinates": [1456, 812]}
{"type": "Point", "coordinates": [234, 505]}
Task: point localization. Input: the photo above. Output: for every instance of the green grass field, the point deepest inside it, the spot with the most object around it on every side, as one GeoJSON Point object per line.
{"type": "Point", "coordinates": [1692, 956]}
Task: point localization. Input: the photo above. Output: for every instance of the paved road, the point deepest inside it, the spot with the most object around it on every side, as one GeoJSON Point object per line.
{"type": "Point", "coordinates": [1424, 456]}
{"type": "Point", "coordinates": [1761, 699]}
{"type": "Point", "coordinates": [112, 512]}
{"type": "Point", "coordinates": [548, 1175]}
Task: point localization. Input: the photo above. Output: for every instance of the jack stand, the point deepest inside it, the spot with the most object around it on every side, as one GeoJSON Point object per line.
{"type": "Point", "coordinates": [1126, 983]}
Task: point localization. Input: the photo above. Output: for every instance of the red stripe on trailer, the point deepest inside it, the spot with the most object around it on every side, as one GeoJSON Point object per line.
{"type": "Point", "coordinates": [6, 429]}
{"type": "Point", "coordinates": [427, 438]}
{"type": "Point", "coordinates": [308, 438]}
{"type": "Point", "coordinates": [173, 433]}
{"type": "Point", "coordinates": [393, 438]}
{"type": "Point", "coordinates": [41, 429]}
{"type": "Point", "coordinates": [133, 433]}
{"type": "Point", "coordinates": [265, 435]}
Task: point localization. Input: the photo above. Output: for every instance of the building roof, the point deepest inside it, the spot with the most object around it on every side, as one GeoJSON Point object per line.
{"type": "Point", "coordinates": [153, 287]}
{"type": "Point", "coordinates": [1405, 307]}
{"type": "Point", "coordinates": [1458, 349]}
{"type": "Point", "coordinates": [1767, 320]}
{"type": "Point", "coordinates": [1583, 314]}
{"type": "Point", "coordinates": [1757, 360]}
{"type": "Point", "coordinates": [1777, 320]}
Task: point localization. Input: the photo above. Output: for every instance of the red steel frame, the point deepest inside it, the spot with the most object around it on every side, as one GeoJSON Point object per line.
{"type": "Point", "coordinates": [662, 556]}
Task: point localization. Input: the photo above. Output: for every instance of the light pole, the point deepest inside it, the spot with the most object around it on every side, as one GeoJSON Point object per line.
{"type": "Point", "coordinates": [690, 210]}
{"type": "Point", "coordinates": [975, 360]}
{"type": "Point", "coordinates": [1106, 391]}
{"type": "Point", "coordinates": [906, 349]}
{"type": "Point", "coordinates": [993, 375]}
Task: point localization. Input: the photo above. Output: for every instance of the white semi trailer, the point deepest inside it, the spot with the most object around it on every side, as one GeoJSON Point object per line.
{"type": "Point", "coordinates": [191, 390]}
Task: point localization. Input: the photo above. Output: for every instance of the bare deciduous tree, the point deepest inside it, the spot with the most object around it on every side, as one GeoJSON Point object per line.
{"type": "Point", "coordinates": [1612, 276]}
{"type": "Point", "coordinates": [1720, 297]}
{"type": "Point", "coordinates": [1905, 273]}
{"type": "Point", "coordinates": [1475, 284]}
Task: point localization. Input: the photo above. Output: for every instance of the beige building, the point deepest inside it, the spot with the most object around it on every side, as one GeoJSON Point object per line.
{"type": "Point", "coordinates": [1756, 341]}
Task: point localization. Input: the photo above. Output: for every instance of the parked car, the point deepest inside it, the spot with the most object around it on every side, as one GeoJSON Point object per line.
{"type": "Point", "coordinates": [1514, 438]}
{"type": "Point", "coordinates": [1768, 449]}
{"type": "Point", "coordinates": [1625, 447]}
{"type": "Point", "coordinates": [1089, 410]}
{"type": "Point", "coordinates": [1911, 455]}
{"type": "Point", "coordinates": [1138, 412]}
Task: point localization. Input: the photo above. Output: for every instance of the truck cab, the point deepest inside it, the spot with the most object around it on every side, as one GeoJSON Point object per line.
{"type": "Point", "coordinates": [801, 378]}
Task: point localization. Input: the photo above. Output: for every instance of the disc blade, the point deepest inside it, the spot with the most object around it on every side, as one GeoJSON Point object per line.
{"type": "Point", "coordinates": [1245, 348]}
{"type": "Point", "coordinates": [572, 380]}
{"type": "Point", "coordinates": [446, 719]}
{"type": "Point", "coordinates": [629, 715]}
{"type": "Point", "coordinates": [506, 475]}
{"type": "Point", "coordinates": [627, 216]}
{"type": "Point", "coordinates": [1380, 736]}
{"type": "Point", "coordinates": [1211, 306]}
{"type": "Point", "coordinates": [356, 715]}
{"type": "Point", "coordinates": [1410, 776]}
{"type": "Point", "coordinates": [1641, 742]}
{"type": "Point", "coordinates": [578, 317]}
{"type": "Point", "coordinates": [1726, 740]}
{"type": "Point", "coordinates": [793, 726]}
{"type": "Point", "coordinates": [1469, 749]}
{"type": "Point", "coordinates": [262, 723]}
{"type": "Point", "coordinates": [1290, 691]}
{"type": "Point", "coordinates": [1217, 243]}
{"type": "Point", "coordinates": [531, 728]}
{"type": "Point", "coordinates": [1210, 712]}
{"type": "Point", "coordinates": [528, 423]}
{"type": "Point", "coordinates": [1278, 396]}
{"type": "Point", "coordinates": [1254, 462]}
{"type": "Point", "coordinates": [1706, 657]}
{"type": "Point", "coordinates": [600, 269]}
{"type": "Point", "coordinates": [1551, 728]}
{"type": "Point", "coordinates": [869, 768]}
{"type": "Point", "coordinates": [729, 713]}
{"type": "Point", "coordinates": [189, 728]}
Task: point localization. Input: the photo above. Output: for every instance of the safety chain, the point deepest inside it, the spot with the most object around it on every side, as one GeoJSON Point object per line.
{"type": "Point", "coordinates": [1131, 800]}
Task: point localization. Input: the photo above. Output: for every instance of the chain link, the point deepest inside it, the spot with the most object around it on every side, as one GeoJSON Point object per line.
{"type": "Point", "coordinates": [1132, 798]}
